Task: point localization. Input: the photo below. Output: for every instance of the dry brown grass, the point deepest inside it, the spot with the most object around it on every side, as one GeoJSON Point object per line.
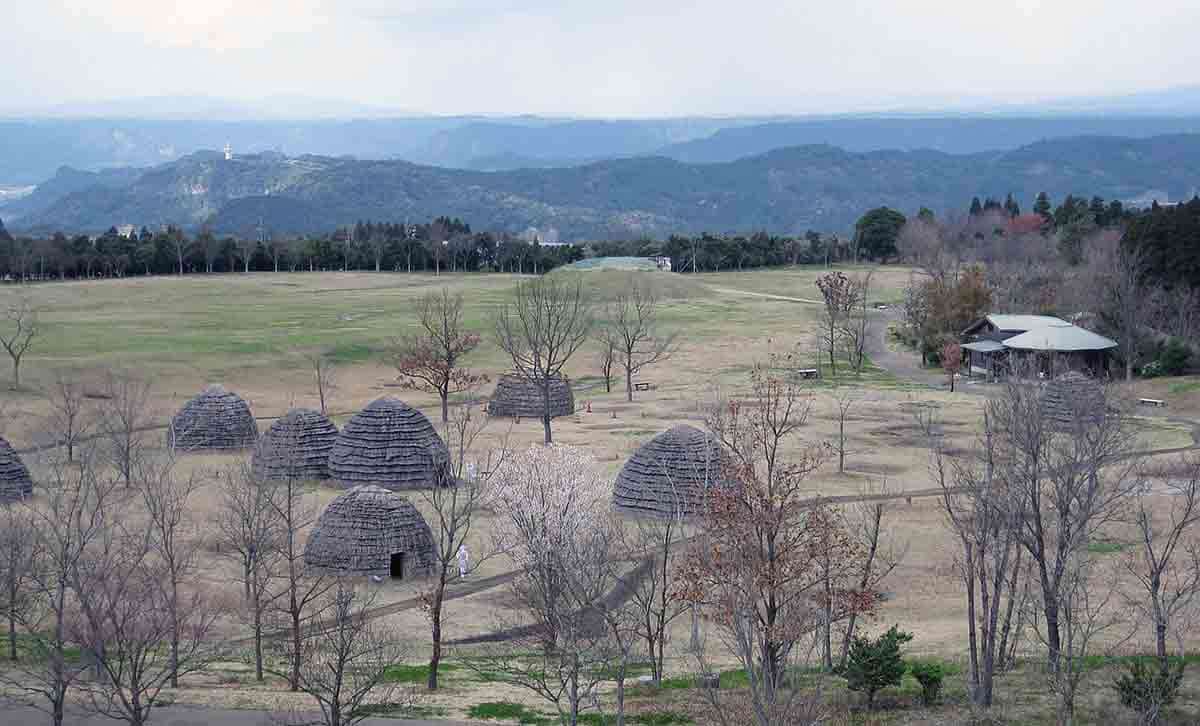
{"type": "Point", "coordinates": [723, 335]}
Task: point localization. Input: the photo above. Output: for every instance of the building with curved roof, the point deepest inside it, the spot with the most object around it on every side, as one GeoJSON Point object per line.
{"type": "Point", "coordinates": [391, 444]}
{"type": "Point", "coordinates": [215, 419]}
{"type": "Point", "coordinates": [15, 482]}
{"type": "Point", "coordinates": [516, 397]}
{"type": "Point", "coordinates": [371, 531]}
{"type": "Point", "coordinates": [296, 446]}
{"type": "Point", "coordinates": [671, 474]}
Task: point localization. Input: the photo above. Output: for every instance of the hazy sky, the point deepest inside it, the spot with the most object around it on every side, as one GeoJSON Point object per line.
{"type": "Point", "coordinates": [597, 58]}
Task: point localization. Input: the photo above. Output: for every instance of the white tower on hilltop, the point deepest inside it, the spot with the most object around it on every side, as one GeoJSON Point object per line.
{"type": "Point", "coordinates": [228, 152]}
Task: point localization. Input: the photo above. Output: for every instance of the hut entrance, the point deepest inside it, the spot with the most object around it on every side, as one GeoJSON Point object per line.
{"type": "Point", "coordinates": [397, 565]}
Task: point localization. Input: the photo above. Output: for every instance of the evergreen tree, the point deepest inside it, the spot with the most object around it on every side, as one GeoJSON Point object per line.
{"type": "Point", "coordinates": [877, 231]}
{"type": "Point", "coordinates": [1011, 206]}
{"type": "Point", "coordinates": [1042, 205]}
{"type": "Point", "coordinates": [976, 207]}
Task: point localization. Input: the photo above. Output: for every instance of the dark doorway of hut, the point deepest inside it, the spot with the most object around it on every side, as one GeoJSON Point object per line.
{"type": "Point", "coordinates": [397, 565]}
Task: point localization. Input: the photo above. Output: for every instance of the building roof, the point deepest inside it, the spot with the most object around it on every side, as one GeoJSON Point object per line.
{"type": "Point", "coordinates": [984, 346]}
{"type": "Point", "coordinates": [1015, 323]}
{"type": "Point", "coordinates": [1062, 337]}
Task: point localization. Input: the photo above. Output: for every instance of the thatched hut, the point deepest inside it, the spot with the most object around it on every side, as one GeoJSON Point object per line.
{"type": "Point", "coordinates": [215, 419]}
{"type": "Point", "coordinates": [15, 482]}
{"type": "Point", "coordinates": [516, 396]}
{"type": "Point", "coordinates": [371, 531]}
{"type": "Point", "coordinates": [391, 444]}
{"type": "Point", "coordinates": [1073, 399]}
{"type": "Point", "coordinates": [296, 446]}
{"type": "Point", "coordinates": [670, 474]}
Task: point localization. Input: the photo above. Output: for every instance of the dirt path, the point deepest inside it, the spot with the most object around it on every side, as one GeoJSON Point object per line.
{"type": "Point", "coordinates": [769, 296]}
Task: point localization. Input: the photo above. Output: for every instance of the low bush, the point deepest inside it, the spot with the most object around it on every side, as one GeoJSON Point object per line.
{"type": "Point", "coordinates": [875, 664]}
{"type": "Point", "coordinates": [1149, 686]}
{"type": "Point", "coordinates": [930, 676]}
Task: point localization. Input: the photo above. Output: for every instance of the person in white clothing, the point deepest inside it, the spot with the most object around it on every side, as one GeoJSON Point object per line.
{"type": "Point", "coordinates": [463, 560]}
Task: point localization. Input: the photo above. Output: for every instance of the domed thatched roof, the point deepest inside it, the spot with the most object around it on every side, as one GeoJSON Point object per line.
{"type": "Point", "coordinates": [296, 446]}
{"type": "Point", "coordinates": [215, 419]}
{"type": "Point", "coordinates": [361, 530]}
{"type": "Point", "coordinates": [391, 444]}
{"type": "Point", "coordinates": [669, 475]}
{"type": "Point", "coordinates": [1073, 398]}
{"type": "Point", "coordinates": [515, 396]}
{"type": "Point", "coordinates": [15, 482]}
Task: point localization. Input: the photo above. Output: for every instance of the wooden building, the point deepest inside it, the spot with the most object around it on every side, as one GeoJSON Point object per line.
{"type": "Point", "coordinates": [1039, 345]}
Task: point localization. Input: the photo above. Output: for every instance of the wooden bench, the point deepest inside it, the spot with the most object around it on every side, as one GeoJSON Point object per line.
{"type": "Point", "coordinates": [642, 386]}
{"type": "Point", "coordinates": [808, 373]}
{"type": "Point", "coordinates": [1156, 402]}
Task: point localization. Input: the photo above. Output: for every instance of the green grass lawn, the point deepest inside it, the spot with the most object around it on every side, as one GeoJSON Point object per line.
{"type": "Point", "coordinates": [213, 325]}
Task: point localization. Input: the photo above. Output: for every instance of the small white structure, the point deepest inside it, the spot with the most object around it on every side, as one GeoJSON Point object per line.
{"type": "Point", "coordinates": [228, 152]}
{"type": "Point", "coordinates": [663, 263]}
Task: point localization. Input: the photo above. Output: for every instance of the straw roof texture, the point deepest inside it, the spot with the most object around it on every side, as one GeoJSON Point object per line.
{"type": "Point", "coordinates": [360, 531]}
{"type": "Point", "coordinates": [215, 419]}
{"type": "Point", "coordinates": [1073, 399]}
{"type": "Point", "coordinates": [15, 482]}
{"type": "Point", "coordinates": [670, 474]}
{"type": "Point", "coordinates": [516, 396]}
{"type": "Point", "coordinates": [391, 444]}
{"type": "Point", "coordinates": [296, 446]}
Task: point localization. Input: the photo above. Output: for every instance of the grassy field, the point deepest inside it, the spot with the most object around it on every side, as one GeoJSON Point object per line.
{"type": "Point", "coordinates": [248, 332]}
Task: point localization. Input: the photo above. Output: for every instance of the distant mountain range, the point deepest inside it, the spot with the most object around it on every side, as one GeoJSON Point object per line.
{"type": "Point", "coordinates": [785, 190]}
{"type": "Point", "coordinates": [32, 149]}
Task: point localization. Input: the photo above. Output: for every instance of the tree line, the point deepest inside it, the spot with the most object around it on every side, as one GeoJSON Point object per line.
{"type": "Point", "coordinates": [441, 245]}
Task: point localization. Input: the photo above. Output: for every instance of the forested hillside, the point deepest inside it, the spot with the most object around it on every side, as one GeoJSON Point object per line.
{"type": "Point", "coordinates": [786, 191]}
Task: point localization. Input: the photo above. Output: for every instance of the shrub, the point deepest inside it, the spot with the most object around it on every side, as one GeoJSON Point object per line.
{"type": "Point", "coordinates": [1174, 357]}
{"type": "Point", "coordinates": [1149, 687]}
{"type": "Point", "coordinates": [929, 675]}
{"type": "Point", "coordinates": [875, 664]}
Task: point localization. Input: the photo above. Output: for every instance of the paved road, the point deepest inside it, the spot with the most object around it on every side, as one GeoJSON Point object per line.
{"type": "Point", "coordinates": [186, 716]}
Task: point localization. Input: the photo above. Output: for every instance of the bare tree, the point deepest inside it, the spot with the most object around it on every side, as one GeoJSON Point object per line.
{"type": "Point", "coordinates": [173, 542]}
{"type": "Point", "coordinates": [838, 293]}
{"type": "Point", "coordinates": [246, 248]}
{"type": "Point", "coordinates": [631, 325]}
{"type": "Point", "coordinates": [982, 516]}
{"type": "Point", "coordinates": [301, 588]}
{"type": "Point", "coordinates": [856, 324]}
{"type": "Point", "coordinates": [18, 556]}
{"type": "Point", "coordinates": [1118, 272]}
{"type": "Point", "coordinates": [141, 635]}
{"type": "Point", "coordinates": [653, 590]}
{"type": "Point", "coordinates": [844, 399]}
{"type": "Point", "coordinates": [453, 510]}
{"type": "Point", "coordinates": [324, 376]}
{"type": "Point", "coordinates": [68, 516]}
{"type": "Point", "coordinates": [248, 533]}
{"type": "Point", "coordinates": [756, 565]}
{"type": "Point", "coordinates": [545, 323]}
{"type": "Point", "coordinates": [344, 660]}
{"type": "Point", "coordinates": [607, 357]}
{"type": "Point", "coordinates": [179, 245]}
{"type": "Point", "coordinates": [71, 418]}
{"type": "Point", "coordinates": [881, 554]}
{"type": "Point", "coordinates": [555, 523]}
{"type": "Point", "coordinates": [1067, 472]}
{"type": "Point", "coordinates": [1166, 561]}
{"type": "Point", "coordinates": [125, 418]}
{"type": "Point", "coordinates": [432, 358]}
{"type": "Point", "coordinates": [18, 330]}
{"type": "Point", "coordinates": [1088, 610]}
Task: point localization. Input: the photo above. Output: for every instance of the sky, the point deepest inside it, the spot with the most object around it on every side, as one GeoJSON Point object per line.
{"type": "Point", "coordinates": [602, 58]}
